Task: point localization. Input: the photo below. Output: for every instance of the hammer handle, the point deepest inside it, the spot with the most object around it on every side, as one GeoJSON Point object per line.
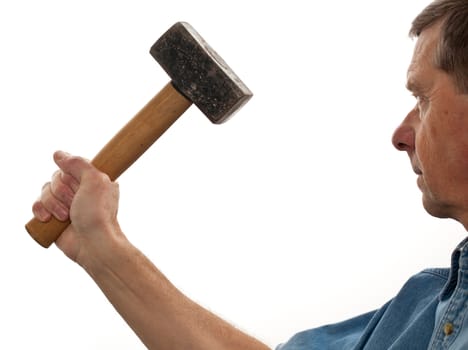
{"type": "Point", "coordinates": [123, 150]}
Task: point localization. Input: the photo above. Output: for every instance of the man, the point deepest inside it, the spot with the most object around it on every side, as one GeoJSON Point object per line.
{"type": "Point", "coordinates": [428, 312]}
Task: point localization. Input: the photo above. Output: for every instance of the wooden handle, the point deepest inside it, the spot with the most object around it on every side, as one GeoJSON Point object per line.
{"type": "Point", "coordinates": [124, 149]}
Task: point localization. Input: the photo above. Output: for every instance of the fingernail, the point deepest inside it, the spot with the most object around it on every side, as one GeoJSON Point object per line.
{"type": "Point", "coordinates": [60, 155]}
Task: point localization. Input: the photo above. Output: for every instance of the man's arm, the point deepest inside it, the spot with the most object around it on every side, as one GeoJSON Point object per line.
{"type": "Point", "coordinates": [159, 314]}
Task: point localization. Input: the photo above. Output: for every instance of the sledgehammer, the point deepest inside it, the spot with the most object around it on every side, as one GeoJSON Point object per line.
{"type": "Point", "coordinates": [198, 75]}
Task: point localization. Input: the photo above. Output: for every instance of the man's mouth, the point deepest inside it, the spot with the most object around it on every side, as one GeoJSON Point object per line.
{"type": "Point", "coordinates": [415, 166]}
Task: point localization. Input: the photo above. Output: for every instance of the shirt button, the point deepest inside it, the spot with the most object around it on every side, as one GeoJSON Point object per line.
{"type": "Point", "coordinates": [448, 328]}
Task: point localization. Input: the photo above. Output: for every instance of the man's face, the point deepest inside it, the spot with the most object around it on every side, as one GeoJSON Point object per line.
{"type": "Point", "coordinates": [435, 133]}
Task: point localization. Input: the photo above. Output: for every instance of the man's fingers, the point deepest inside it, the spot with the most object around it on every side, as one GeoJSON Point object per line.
{"type": "Point", "coordinates": [51, 204]}
{"type": "Point", "coordinates": [62, 190]}
{"type": "Point", "coordinates": [70, 181]}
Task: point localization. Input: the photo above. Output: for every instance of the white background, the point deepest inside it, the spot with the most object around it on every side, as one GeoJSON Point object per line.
{"type": "Point", "coordinates": [295, 213]}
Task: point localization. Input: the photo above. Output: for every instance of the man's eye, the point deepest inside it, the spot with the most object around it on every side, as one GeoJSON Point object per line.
{"type": "Point", "coordinates": [421, 105]}
{"type": "Point", "coordinates": [420, 99]}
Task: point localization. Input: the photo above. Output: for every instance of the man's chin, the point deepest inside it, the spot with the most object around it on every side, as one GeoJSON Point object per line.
{"type": "Point", "coordinates": [435, 208]}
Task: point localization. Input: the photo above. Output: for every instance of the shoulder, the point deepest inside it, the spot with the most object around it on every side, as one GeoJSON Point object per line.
{"type": "Point", "coordinates": [422, 286]}
{"type": "Point", "coordinates": [437, 273]}
{"type": "Point", "coordinates": [433, 277]}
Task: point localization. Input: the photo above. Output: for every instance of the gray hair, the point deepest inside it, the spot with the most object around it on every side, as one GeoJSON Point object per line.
{"type": "Point", "coordinates": [452, 50]}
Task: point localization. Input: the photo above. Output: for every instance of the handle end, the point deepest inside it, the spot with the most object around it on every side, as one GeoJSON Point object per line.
{"type": "Point", "coordinates": [46, 233]}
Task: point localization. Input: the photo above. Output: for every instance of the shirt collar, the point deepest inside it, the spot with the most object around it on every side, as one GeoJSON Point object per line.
{"type": "Point", "coordinates": [459, 263]}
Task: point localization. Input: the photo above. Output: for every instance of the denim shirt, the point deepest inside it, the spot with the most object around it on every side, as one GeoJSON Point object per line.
{"type": "Point", "coordinates": [427, 313]}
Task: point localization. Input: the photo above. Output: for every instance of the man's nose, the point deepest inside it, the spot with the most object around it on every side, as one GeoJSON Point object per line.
{"type": "Point", "coordinates": [404, 136]}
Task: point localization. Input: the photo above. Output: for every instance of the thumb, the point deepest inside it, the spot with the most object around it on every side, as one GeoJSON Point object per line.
{"type": "Point", "coordinates": [72, 165]}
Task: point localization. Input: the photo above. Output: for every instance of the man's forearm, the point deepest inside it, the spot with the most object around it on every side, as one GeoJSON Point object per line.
{"type": "Point", "coordinates": [158, 313]}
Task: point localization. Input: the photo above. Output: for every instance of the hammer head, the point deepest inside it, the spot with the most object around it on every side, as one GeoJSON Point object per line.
{"type": "Point", "coordinates": [199, 73]}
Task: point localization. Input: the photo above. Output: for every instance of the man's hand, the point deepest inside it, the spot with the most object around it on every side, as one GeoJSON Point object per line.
{"type": "Point", "coordinates": [85, 195]}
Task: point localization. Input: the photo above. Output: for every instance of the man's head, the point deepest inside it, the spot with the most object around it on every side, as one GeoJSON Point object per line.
{"type": "Point", "coordinates": [435, 132]}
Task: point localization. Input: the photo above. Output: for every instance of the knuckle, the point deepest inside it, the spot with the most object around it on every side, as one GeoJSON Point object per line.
{"type": "Point", "coordinates": [98, 178]}
{"type": "Point", "coordinates": [77, 162]}
{"type": "Point", "coordinates": [104, 178]}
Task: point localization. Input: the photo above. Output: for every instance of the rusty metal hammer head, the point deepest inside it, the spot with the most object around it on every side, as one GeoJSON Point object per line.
{"type": "Point", "coordinates": [199, 74]}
